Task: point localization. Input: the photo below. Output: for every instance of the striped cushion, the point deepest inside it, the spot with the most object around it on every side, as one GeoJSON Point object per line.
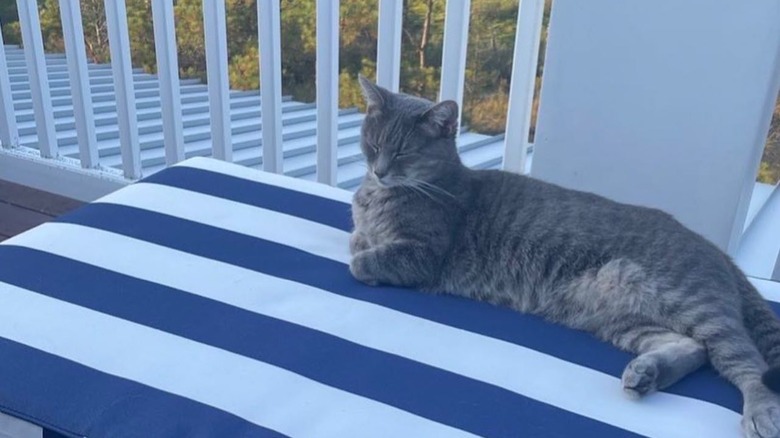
{"type": "Point", "coordinates": [213, 300]}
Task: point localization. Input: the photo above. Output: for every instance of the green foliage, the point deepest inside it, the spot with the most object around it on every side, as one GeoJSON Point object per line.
{"type": "Point", "coordinates": [190, 39]}
{"type": "Point", "coordinates": [488, 112]}
{"type": "Point", "coordinates": [139, 21]}
{"type": "Point", "coordinates": [770, 163]}
{"type": "Point", "coordinates": [9, 23]}
{"type": "Point", "coordinates": [244, 70]}
{"type": "Point", "coordinates": [298, 40]}
{"type": "Point", "coordinates": [51, 26]}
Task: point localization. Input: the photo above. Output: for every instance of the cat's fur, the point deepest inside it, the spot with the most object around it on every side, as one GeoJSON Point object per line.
{"type": "Point", "coordinates": [632, 276]}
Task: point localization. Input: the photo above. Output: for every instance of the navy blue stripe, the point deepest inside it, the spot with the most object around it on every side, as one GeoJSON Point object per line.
{"type": "Point", "coordinates": [289, 263]}
{"type": "Point", "coordinates": [315, 208]}
{"type": "Point", "coordinates": [75, 400]}
{"type": "Point", "coordinates": [49, 433]}
{"type": "Point", "coordinates": [436, 394]}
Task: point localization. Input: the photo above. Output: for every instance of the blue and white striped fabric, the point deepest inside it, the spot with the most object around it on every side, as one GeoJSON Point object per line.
{"type": "Point", "coordinates": [213, 300]}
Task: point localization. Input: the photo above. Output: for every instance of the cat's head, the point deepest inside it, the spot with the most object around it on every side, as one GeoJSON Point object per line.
{"type": "Point", "coordinates": [406, 139]}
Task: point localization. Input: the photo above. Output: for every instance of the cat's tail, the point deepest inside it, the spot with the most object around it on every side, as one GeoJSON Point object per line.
{"type": "Point", "coordinates": [764, 328]}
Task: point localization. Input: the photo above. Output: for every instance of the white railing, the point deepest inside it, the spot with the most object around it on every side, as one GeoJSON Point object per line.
{"type": "Point", "coordinates": [327, 70]}
{"type": "Point", "coordinates": [388, 46]}
{"type": "Point", "coordinates": [122, 69]}
{"type": "Point", "coordinates": [9, 133]}
{"type": "Point", "coordinates": [39, 80]}
{"type": "Point", "coordinates": [270, 83]}
{"type": "Point", "coordinates": [79, 80]}
{"type": "Point", "coordinates": [327, 90]}
{"type": "Point", "coordinates": [215, 30]}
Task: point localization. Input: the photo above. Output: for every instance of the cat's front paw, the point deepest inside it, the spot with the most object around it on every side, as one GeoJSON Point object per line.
{"type": "Point", "coordinates": [361, 268]}
{"type": "Point", "coordinates": [762, 420]}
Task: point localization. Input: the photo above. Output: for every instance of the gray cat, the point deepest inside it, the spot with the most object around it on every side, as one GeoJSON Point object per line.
{"type": "Point", "coordinates": [632, 276]}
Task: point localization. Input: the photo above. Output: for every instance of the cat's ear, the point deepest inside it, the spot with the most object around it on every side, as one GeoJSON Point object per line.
{"type": "Point", "coordinates": [441, 120]}
{"type": "Point", "coordinates": [376, 96]}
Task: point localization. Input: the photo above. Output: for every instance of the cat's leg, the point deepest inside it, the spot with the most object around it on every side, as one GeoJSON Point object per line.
{"type": "Point", "coordinates": [664, 356]}
{"type": "Point", "coordinates": [358, 242]}
{"type": "Point", "coordinates": [734, 355]}
{"type": "Point", "coordinates": [668, 358]}
{"type": "Point", "coordinates": [401, 263]}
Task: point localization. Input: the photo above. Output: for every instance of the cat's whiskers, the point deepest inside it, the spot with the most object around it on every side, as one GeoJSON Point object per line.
{"type": "Point", "coordinates": [432, 187]}
{"type": "Point", "coordinates": [404, 183]}
{"type": "Point", "coordinates": [424, 186]}
{"type": "Point", "coordinates": [415, 185]}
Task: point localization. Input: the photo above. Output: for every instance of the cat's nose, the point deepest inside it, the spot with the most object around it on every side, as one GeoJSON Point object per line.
{"type": "Point", "coordinates": [380, 173]}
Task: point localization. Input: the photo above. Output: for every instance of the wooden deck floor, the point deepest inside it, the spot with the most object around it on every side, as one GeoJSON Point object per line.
{"type": "Point", "coordinates": [22, 208]}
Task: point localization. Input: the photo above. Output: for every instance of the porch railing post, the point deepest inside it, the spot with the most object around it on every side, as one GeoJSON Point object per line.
{"type": "Point", "coordinates": [168, 75]}
{"type": "Point", "coordinates": [327, 90]}
{"type": "Point", "coordinates": [388, 50]}
{"type": "Point", "coordinates": [521, 90]}
{"type": "Point", "coordinates": [39, 78]}
{"type": "Point", "coordinates": [75, 51]}
{"type": "Point", "coordinates": [215, 30]}
{"type": "Point", "coordinates": [9, 133]}
{"type": "Point", "coordinates": [453, 62]}
{"type": "Point", "coordinates": [122, 69]}
{"type": "Point", "coordinates": [269, 34]}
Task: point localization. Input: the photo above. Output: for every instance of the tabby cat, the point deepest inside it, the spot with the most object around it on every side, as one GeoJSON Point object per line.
{"type": "Point", "coordinates": [630, 275]}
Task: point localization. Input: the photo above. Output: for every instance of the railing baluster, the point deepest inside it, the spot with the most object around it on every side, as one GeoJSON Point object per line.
{"type": "Point", "coordinates": [521, 90]}
{"type": "Point", "coordinates": [388, 48]}
{"type": "Point", "coordinates": [9, 134]}
{"type": "Point", "coordinates": [75, 51]}
{"type": "Point", "coordinates": [168, 75]}
{"type": "Point", "coordinates": [269, 35]}
{"type": "Point", "coordinates": [215, 30]}
{"type": "Point", "coordinates": [327, 90]}
{"type": "Point", "coordinates": [39, 79]}
{"type": "Point", "coordinates": [121, 66]}
{"type": "Point", "coordinates": [453, 61]}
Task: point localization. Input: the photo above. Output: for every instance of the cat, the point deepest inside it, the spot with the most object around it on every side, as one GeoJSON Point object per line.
{"type": "Point", "coordinates": [632, 276]}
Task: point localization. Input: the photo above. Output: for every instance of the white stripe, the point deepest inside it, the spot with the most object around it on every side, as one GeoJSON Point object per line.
{"type": "Point", "coordinates": [241, 218]}
{"type": "Point", "coordinates": [11, 427]}
{"type": "Point", "coordinates": [522, 370]}
{"type": "Point", "coordinates": [256, 391]}
{"type": "Point", "coordinates": [296, 184]}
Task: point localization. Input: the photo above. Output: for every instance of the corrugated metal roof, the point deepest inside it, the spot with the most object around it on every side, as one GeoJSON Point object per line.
{"type": "Point", "coordinates": [298, 119]}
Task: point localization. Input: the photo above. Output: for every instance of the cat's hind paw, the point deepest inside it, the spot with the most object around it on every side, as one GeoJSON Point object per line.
{"type": "Point", "coordinates": [640, 377]}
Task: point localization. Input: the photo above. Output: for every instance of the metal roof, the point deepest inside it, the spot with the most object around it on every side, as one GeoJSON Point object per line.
{"type": "Point", "coordinates": [298, 119]}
